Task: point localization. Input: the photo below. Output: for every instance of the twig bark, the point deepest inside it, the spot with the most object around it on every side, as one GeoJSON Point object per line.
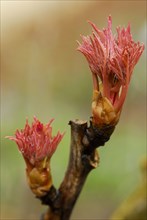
{"type": "Point", "coordinates": [83, 158]}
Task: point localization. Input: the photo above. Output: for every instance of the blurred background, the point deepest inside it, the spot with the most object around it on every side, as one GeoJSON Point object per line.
{"type": "Point", "coordinates": [42, 74]}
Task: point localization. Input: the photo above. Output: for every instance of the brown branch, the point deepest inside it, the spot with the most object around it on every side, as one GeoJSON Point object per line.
{"type": "Point", "coordinates": [83, 158]}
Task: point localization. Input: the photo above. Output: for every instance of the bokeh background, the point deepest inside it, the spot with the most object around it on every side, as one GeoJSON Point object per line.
{"type": "Point", "coordinates": [42, 74]}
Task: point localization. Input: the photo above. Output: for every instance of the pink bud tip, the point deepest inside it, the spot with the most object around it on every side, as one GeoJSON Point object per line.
{"type": "Point", "coordinates": [36, 142]}
{"type": "Point", "coordinates": [112, 59]}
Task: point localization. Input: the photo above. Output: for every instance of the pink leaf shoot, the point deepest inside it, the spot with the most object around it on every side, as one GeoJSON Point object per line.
{"type": "Point", "coordinates": [111, 59]}
{"type": "Point", "coordinates": [36, 142]}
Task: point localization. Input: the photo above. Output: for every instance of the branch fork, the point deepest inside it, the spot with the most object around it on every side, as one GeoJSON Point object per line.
{"type": "Point", "coordinates": [83, 158]}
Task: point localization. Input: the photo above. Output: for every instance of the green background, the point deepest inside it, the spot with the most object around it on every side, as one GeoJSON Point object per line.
{"type": "Point", "coordinates": [42, 74]}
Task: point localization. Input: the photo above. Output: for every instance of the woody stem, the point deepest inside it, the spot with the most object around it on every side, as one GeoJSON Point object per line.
{"type": "Point", "coordinates": [83, 158]}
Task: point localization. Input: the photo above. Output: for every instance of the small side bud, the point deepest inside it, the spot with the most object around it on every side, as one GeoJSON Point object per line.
{"type": "Point", "coordinates": [37, 146]}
